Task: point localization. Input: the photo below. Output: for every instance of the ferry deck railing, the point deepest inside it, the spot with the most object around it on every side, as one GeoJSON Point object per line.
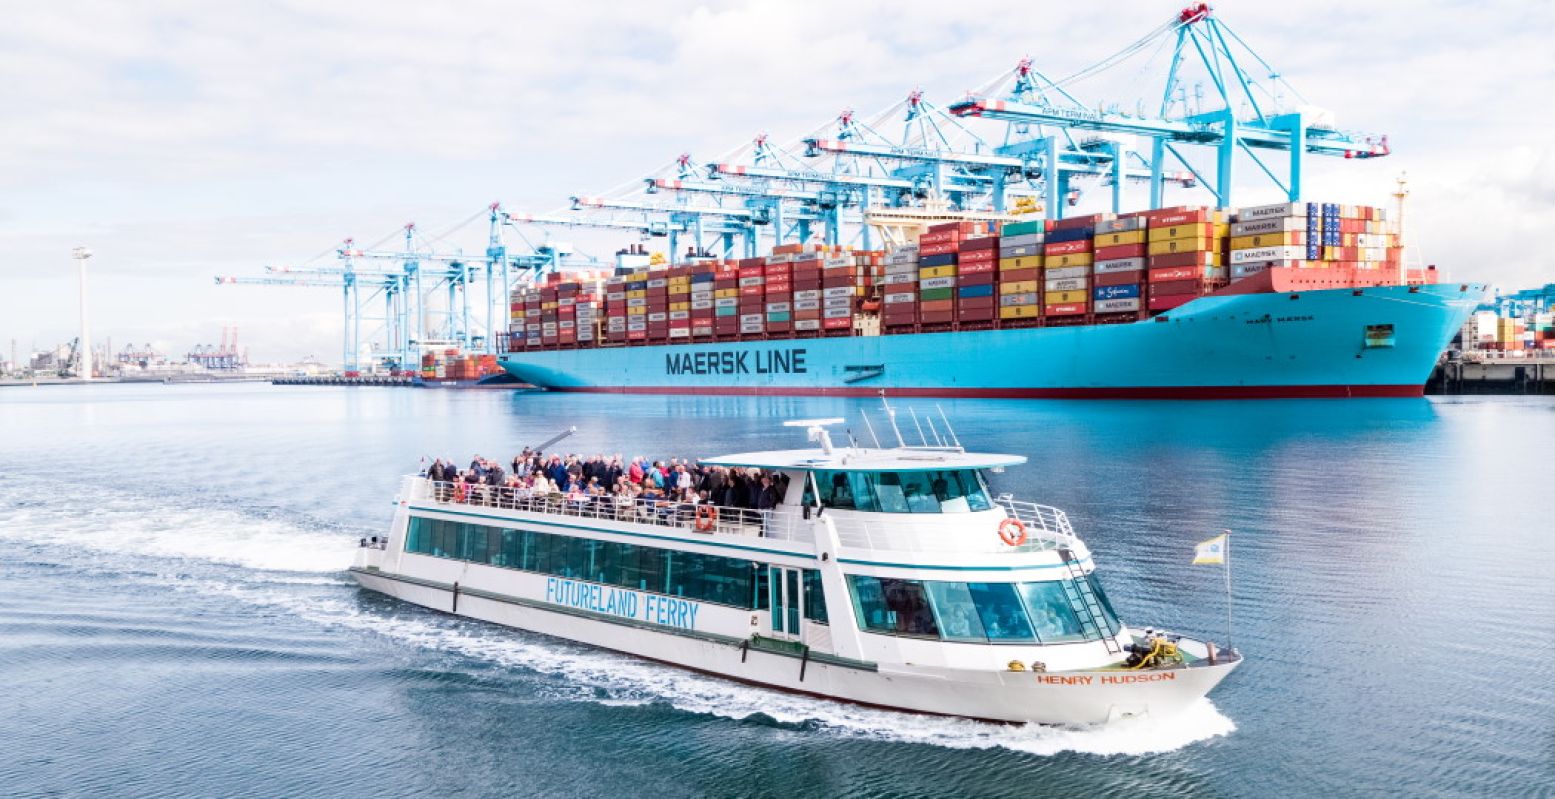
{"type": "Point", "coordinates": [1046, 527]}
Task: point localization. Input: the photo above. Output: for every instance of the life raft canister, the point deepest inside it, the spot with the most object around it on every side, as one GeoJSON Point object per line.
{"type": "Point", "coordinates": [707, 518]}
{"type": "Point", "coordinates": [1012, 532]}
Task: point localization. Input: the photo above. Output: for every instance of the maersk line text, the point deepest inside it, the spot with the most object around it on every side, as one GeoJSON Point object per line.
{"type": "Point", "coordinates": [742, 362]}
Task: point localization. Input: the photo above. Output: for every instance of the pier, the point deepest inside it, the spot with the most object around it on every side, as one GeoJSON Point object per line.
{"type": "Point", "coordinates": [1534, 376]}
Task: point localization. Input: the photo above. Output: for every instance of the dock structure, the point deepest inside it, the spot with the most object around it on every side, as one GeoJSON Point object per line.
{"type": "Point", "coordinates": [1493, 376]}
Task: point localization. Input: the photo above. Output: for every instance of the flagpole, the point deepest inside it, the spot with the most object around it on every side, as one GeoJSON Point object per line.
{"type": "Point", "coordinates": [1228, 589]}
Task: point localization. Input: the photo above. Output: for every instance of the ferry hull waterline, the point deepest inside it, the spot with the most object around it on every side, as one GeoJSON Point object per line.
{"type": "Point", "coordinates": [1378, 341]}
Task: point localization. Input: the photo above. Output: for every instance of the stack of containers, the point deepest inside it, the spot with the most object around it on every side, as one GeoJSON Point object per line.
{"type": "Point", "coordinates": [753, 304]}
{"type": "Point", "coordinates": [726, 300]}
{"type": "Point", "coordinates": [1068, 252]}
{"type": "Point", "coordinates": [615, 310]}
{"type": "Point", "coordinates": [702, 315]}
{"type": "Point", "coordinates": [567, 314]}
{"type": "Point", "coordinates": [548, 316]}
{"type": "Point", "coordinates": [1185, 254]}
{"type": "Point", "coordinates": [678, 290]}
{"type": "Point", "coordinates": [1119, 269]}
{"type": "Point", "coordinates": [637, 306]}
{"type": "Point", "coordinates": [977, 266]}
{"type": "Point", "coordinates": [586, 310]}
{"type": "Point", "coordinates": [1278, 235]}
{"type": "Point", "coordinates": [839, 287]}
{"type": "Point", "coordinates": [656, 292]}
{"type": "Point", "coordinates": [1020, 273]}
{"type": "Point", "coordinates": [778, 293]}
{"type": "Point", "coordinates": [806, 278]}
{"type": "Point", "coordinates": [937, 255]}
{"type": "Point", "coordinates": [516, 318]}
{"type": "Point", "coordinates": [899, 290]}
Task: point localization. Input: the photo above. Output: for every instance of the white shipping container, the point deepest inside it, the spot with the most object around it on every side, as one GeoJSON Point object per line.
{"type": "Point", "coordinates": [1021, 251]}
{"type": "Point", "coordinates": [751, 327]}
{"type": "Point", "coordinates": [891, 280]}
{"type": "Point", "coordinates": [1023, 240]}
{"type": "Point", "coordinates": [1255, 212]}
{"type": "Point", "coordinates": [937, 283]}
{"type": "Point", "coordinates": [1118, 265]}
{"type": "Point", "coordinates": [726, 302]}
{"type": "Point", "coordinates": [1028, 298]}
{"type": "Point", "coordinates": [838, 302]}
{"type": "Point", "coordinates": [808, 294]}
{"type": "Point", "coordinates": [637, 326]}
{"type": "Point", "coordinates": [837, 313]}
{"type": "Point", "coordinates": [1279, 224]}
{"type": "Point", "coordinates": [895, 299]}
{"type": "Point", "coordinates": [1122, 225]}
{"type": "Point", "coordinates": [752, 318]}
{"type": "Point", "coordinates": [836, 261]}
{"type": "Point", "coordinates": [903, 250]}
{"type": "Point", "coordinates": [807, 305]}
{"type": "Point", "coordinates": [680, 332]}
{"type": "Point", "coordinates": [701, 305]}
{"type": "Point", "coordinates": [679, 315]}
{"type": "Point", "coordinates": [838, 291]}
{"type": "Point", "coordinates": [783, 258]}
{"type": "Point", "coordinates": [1247, 270]}
{"type": "Point", "coordinates": [1068, 284]}
{"type": "Point", "coordinates": [779, 307]}
{"type": "Point", "coordinates": [807, 324]}
{"type": "Point", "coordinates": [1122, 305]}
{"type": "Point", "coordinates": [1065, 272]}
{"type": "Point", "coordinates": [637, 302]}
{"type": "Point", "coordinates": [658, 283]}
{"type": "Point", "coordinates": [906, 267]}
{"type": "Point", "coordinates": [658, 317]}
{"type": "Point", "coordinates": [1258, 254]}
{"type": "Point", "coordinates": [751, 281]}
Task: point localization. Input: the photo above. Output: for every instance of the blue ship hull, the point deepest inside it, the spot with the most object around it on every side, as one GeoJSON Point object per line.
{"type": "Point", "coordinates": [1324, 343]}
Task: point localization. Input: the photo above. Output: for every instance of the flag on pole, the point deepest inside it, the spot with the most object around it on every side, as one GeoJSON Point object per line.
{"type": "Point", "coordinates": [1211, 551]}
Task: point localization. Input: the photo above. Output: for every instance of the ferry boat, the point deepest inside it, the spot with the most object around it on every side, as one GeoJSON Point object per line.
{"type": "Point", "coordinates": [885, 576]}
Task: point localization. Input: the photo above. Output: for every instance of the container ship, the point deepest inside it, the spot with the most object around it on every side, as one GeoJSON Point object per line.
{"type": "Point", "coordinates": [1284, 300]}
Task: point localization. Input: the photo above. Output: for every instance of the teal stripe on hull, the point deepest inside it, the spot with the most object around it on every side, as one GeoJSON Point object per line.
{"type": "Point", "coordinates": [1310, 343]}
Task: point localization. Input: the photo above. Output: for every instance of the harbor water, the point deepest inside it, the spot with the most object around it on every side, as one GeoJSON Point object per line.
{"type": "Point", "coordinates": [175, 617]}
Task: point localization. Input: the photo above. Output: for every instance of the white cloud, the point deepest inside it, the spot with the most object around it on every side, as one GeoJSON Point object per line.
{"type": "Point", "coordinates": [183, 140]}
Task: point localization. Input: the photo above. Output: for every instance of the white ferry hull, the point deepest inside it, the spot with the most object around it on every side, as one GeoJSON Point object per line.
{"type": "Point", "coordinates": [1061, 698]}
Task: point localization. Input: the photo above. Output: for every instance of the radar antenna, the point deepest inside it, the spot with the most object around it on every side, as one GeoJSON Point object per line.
{"type": "Point", "coordinates": [817, 430]}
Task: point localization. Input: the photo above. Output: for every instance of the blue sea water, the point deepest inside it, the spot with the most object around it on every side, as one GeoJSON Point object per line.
{"type": "Point", "coordinates": [175, 619]}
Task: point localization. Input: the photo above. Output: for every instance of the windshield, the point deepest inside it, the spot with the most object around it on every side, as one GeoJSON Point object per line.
{"type": "Point", "coordinates": [942, 491]}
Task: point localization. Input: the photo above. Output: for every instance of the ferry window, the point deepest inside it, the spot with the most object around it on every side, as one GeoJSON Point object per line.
{"type": "Point", "coordinates": [1108, 614]}
{"type": "Point", "coordinates": [999, 608]}
{"type": "Point", "coordinates": [814, 597]}
{"type": "Point", "coordinates": [900, 607]}
{"type": "Point", "coordinates": [416, 535]}
{"type": "Point", "coordinates": [446, 541]}
{"type": "Point", "coordinates": [761, 586]}
{"type": "Point", "coordinates": [955, 612]}
{"type": "Point", "coordinates": [511, 550]}
{"type": "Point", "coordinates": [958, 490]}
{"type": "Point", "coordinates": [1051, 613]}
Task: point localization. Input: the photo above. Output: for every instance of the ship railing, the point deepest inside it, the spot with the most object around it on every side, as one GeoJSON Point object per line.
{"type": "Point", "coordinates": [1040, 520]}
{"type": "Point", "coordinates": [694, 517]}
{"type": "Point", "coordinates": [949, 533]}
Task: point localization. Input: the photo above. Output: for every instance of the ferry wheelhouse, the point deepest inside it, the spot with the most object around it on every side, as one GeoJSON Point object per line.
{"type": "Point", "coordinates": [890, 577]}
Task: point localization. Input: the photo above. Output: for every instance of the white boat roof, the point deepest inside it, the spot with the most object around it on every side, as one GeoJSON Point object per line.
{"type": "Point", "coordinates": [900, 459]}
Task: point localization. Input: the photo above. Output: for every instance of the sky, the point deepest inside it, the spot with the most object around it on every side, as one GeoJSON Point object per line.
{"type": "Point", "coordinates": [185, 140]}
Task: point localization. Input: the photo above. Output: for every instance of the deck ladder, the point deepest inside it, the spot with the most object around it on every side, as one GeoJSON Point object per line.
{"type": "Point", "coordinates": [1083, 600]}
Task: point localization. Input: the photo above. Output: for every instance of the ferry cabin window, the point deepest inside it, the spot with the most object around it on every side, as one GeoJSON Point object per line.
{"type": "Point", "coordinates": [942, 491]}
{"type": "Point", "coordinates": [973, 612]}
{"type": "Point", "coordinates": [704, 578]}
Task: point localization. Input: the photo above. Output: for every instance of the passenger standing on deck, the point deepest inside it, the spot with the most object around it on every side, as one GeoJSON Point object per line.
{"type": "Point", "coordinates": [635, 471]}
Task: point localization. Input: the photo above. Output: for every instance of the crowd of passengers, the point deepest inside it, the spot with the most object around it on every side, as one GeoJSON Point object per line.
{"type": "Point", "coordinates": [601, 483]}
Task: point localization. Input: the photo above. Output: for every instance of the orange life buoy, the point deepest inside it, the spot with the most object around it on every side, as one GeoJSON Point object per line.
{"type": "Point", "coordinates": [1012, 532]}
{"type": "Point", "coordinates": [707, 518]}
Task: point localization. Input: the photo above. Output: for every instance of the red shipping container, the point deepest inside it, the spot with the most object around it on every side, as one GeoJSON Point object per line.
{"type": "Point", "coordinates": [1071, 223]}
{"type": "Point", "coordinates": [1165, 288]}
{"type": "Point", "coordinates": [980, 244]}
{"type": "Point", "coordinates": [977, 256]}
{"type": "Point", "coordinates": [807, 284]}
{"type": "Point", "coordinates": [1014, 275]}
{"type": "Point", "coordinates": [1166, 217]}
{"type": "Point", "coordinates": [976, 279]}
{"type": "Point", "coordinates": [936, 317]}
{"type": "Point", "coordinates": [840, 281]}
{"type": "Point", "coordinates": [1129, 278]}
{"type": "Point", "coordinates": [1192, 258]}
{"type": "Point", "coordinates": [1170, 301]}
{"type": "Point", "coordinates": [975, 303]}
{"type": "Point", "coordinates": [942, 248]}
{"type": "Point", "coordinates": [1169, 273]}
{"type": "Point", "coordinates": [752, 271]}
{"type": "Point", "coordinates": [1068, 247]}
{"type": "Point", "coordinates": [936, 305]}
{"type": "Point", "coordinates": [975, 314]}
{"type": "Point", "coordinates": [964, 269]}
{"type": "Point", "coordinates": [779, 327]}
{"type": "Point", "coordinates": [751, 291]}
{"type": "Point", "coordinates": [840, 323]}
{"type": "Point", "coordinates": [934, 237]}
{"type": "Point", "coordinates": [1120, 251]}
{"type": "Point", "coordinates": [1065, 309]}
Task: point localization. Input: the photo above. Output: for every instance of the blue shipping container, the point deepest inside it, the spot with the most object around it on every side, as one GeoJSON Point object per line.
{"type": "Point", "coordinates": [976, 291]}
{"type": "Point", "coordinates": [1116, 292]}
{"type": "Point", "coordinates": [937, 260]}
{"type": "Point", "coordinates": [1072, 234]}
